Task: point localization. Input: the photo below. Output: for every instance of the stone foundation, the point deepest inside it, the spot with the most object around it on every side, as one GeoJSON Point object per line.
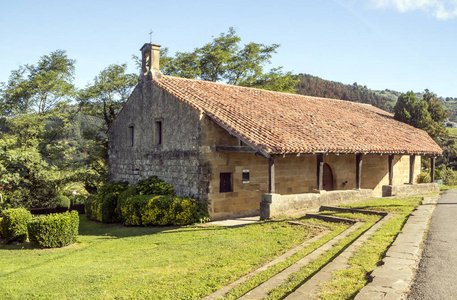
{"type": "Point", "coordinates": [276, 204]}
{"type": "Point", "coordinates": [409, 189]}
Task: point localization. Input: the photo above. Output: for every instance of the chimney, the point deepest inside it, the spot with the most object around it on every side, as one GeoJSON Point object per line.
{"type": "Point", "coordinates": [150, 61]}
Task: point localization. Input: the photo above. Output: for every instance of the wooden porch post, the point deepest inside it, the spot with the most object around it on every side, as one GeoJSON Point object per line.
{"type": "Point", "coordinates": [432, 168]}
{"type": "Point", "coordinates": [391, 168]}
{"type": "Point", "coordinates": [320, 171]}
{"type": "Point", "coordinates": [271, 175]}
{"type": "Point", "coordinates": [358, 171]}
{"type": "Point", "coordinates": [412, 159]}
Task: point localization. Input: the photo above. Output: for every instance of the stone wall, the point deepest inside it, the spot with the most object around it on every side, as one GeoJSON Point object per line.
{"type": "Point", "coordinates": [375, 171]}
{"type": "Point", "coordinates": [276, 204]}
{"type": "Point", "coordinates": [409, 189]}
{"type": "Point", "coordinates": [245, 198]}
{"type": "Point", "coordinates": [187, 158]}
{"type": "Point", "coordinates": [177, 160]}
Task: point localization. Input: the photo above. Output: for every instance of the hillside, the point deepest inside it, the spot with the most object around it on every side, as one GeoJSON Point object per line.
{"type": "Point", "coordinates": [385, 99]}
{"type": "Point", "coordinates": [318, 87]}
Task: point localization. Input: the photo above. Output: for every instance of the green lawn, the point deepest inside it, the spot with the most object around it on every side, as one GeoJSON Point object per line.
{"type": "Point", "coordinates": [346, 283]}
{"type": "Point", "coordinates": [112, 261]}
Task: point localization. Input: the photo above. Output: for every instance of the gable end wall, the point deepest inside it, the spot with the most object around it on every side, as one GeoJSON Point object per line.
{"type": "Point", "coordinates": [177, 161]}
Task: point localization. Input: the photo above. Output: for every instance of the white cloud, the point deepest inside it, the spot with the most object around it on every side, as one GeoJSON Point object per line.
{"type": "Point", "coordinates": [441, 9]}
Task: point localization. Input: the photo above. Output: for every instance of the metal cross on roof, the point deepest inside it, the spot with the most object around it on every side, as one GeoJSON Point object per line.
{"type": "Point", "coordinates": [150, 36]}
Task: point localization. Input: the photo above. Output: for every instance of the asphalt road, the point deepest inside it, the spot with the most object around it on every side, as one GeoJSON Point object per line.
{"type": "Point", "coordinates": [437, 275]}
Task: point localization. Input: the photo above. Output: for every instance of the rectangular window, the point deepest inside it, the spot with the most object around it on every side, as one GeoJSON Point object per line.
{"type": "Point", "coordinates": [132, 135]}
{"type": "Point", "coordinates": [158, 132]}
{"type": "Point", "coordinates": [245, 176]}
{"type": "Point", "coordinates": [225, 185]}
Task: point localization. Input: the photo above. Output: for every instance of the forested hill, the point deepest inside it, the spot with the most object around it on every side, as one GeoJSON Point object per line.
{"type": "Point", "coordinates": [318, 87]}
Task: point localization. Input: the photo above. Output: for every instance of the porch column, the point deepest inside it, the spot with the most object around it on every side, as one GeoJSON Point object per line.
{"type": "Point", "coordinates": [412, 159]}
{"type": "Point", "coordinates": [432, 168]}
{"type": "Point", "coordinates": [358, 171]}
{"type": "Point", "coordinates": [320, 171]}
{"type": "Point", "coordinates": [391, 168]}
{"type": "Point", "coordinates": [271, 175]}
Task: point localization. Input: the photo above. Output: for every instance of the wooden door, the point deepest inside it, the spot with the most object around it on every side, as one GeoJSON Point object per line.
{"type": "Point", "coordinates": [327, 179]}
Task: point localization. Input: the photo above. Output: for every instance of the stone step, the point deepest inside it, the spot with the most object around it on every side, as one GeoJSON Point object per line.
{"type": "Point", "coordinates": [330, 218]}
{"type": "Point", "coordinates": [262, 290]}
{"type": "Point", "coordinates": [310, 288]}
{"type": "Point", "coordinates": [352, 210]}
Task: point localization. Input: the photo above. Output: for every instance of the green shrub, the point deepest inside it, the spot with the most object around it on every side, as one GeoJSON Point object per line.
{"type": "Point", "coordinates": [1, 231]}
{"type": "Point", "coordinates": [107, 196]}
{"type": "Point", "coordinates": [154, 186]}
{"type": "Point", "coordinates": [424, 177]}
{"type": "Point", "coordinates": [103, 206]}
{"type": "Point", "coordinates": [14, 224]}
{"type": "Point", "coordinates": [62, 201]}
{"type": "Point", "coordinates": [438, 174]}
{"type": "Point", "coordinates": [449, 176]}
{"type": "Point", "coordinates": [54, 230]}
{"type": "Point", "coordinates": [79, 199]}
{"type": "Point", "coordinates": [161, 210]}
{"type": "Point", "coordinates": [92, 208]}
{"type": "Point", "coordinates": [123, 197]}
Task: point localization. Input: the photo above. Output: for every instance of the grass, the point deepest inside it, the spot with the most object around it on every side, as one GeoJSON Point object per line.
{"type": "Point", "coordinates": [259, 278]}
{"type": "Point", "coordinates": [112, 261]}
{"type": "Point", "coordinates": [447, 187]}
{"type": "Point", "coordinates": [306, 272]}
{"type": "Point", "coordinates": [346, 283]}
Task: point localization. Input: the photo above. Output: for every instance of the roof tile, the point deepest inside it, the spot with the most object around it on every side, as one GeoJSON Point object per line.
{"type": "Point", "coordinates": [279, 123]}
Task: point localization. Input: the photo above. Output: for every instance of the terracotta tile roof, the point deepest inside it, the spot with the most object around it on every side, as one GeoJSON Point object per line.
{"type": "Point", "coordinates": [279, 123]}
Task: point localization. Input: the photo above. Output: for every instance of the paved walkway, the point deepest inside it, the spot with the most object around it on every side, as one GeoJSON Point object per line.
{"type": "Point", "coordinates": [437, 275]}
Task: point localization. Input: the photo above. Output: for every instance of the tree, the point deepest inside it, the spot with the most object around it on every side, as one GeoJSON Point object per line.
{"type": "Point", "coordinates": [225, 60]}
{"type": "Point", "coordinates": [437, 113]}
{"type": "Point", "coordinates": [102, 100]}
{"type": "Point", "coordinates": [426, 114]}
{"type": "Point", "coordinates": [109, 92]}
{"type": "Point", "coordinates": [33, 113]}
{"type": "Point", "coordinates": [39, 88]}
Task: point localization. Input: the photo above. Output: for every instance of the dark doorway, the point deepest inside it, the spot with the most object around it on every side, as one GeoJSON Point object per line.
{"type": "Point", "coordinates": [327, 178]}
{"type": "Point", "coordinates": [225, 185]}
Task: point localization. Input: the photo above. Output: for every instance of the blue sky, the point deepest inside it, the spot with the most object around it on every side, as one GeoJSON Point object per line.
{"type": "Point", "coordinates": [401, 45]}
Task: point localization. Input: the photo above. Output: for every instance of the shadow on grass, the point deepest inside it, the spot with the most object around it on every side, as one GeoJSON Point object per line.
{"type": "Point", "coordinates": [118, 230]}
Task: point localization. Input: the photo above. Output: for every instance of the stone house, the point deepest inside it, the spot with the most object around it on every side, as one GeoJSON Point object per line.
{"type": "Point", "coordinates": [229, 145]}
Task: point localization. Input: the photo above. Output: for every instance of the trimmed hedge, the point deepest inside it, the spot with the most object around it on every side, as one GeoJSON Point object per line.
{"type": "Point", "coordinates": [144, 210]}
{"type": "Point", "coordinates": [103, 206]}
{"type": "Point", "coordinates": [62, 201]}
{"type": "Point", "coordinates": [150, 202]}
{"type": "Point", "coordinates": [91, 206]}
{"type": "Point", "coordinates": [14, 224]}
{"type": "Point", "coordinates": [154, 186]}
{"type": "Point", "coordinates": [54, 230]}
